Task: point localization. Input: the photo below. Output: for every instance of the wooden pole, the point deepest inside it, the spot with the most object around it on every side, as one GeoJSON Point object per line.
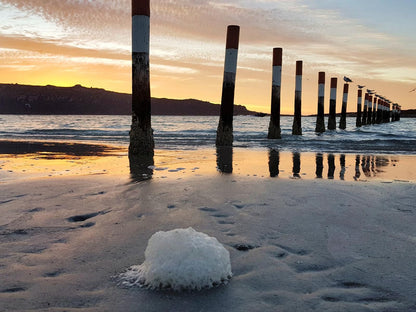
{"type": "Point", "coordinates": [274, 125]}
{"type": "Point", "coordinates": [332, 104]}
{"type": "Point", "coordinates": [374, 117]}
{"type": "Point", "coordinates": [370, 109]}
{"type": "Point", "coordinates": [141, 133]}
{"type": "Point", "coordinates": [378, 118]}
{"type": "Point", "coordinates": [343, 119]}
{"type": "Point", "coordinates": [297, 119]}
{"type": "Point", "coordinates": [365, 110]}
{"type": "Point", "coordinates": [359, 102]}
{"type": "Point", "coordinates": [225, 125]}
{"type": "Point", "coordinates": [320, 122]}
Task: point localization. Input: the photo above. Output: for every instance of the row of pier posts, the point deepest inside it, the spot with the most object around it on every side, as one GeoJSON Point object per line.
{"type": "Point", "coordinates": [141, 133]}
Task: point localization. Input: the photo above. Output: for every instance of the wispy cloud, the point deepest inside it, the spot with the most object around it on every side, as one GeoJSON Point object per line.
{"type": "Point", "coordinates": [188, 36]}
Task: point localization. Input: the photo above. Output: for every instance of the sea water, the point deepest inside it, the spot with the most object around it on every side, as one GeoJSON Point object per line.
{"type": "Point", "coordinates": [198, 132]}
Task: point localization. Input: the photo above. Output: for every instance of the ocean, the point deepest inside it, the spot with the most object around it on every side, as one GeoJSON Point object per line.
{"type": "Point", "coordinates": [198, 132]}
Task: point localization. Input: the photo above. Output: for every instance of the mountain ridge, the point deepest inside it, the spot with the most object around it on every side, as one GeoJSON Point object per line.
{"type": "Point", "coordinates": [79, 100]}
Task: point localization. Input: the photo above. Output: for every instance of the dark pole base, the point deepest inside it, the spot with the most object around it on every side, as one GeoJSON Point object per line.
{"type": "Point", "coordinates": [224, 135]}
{"type": "Point", "coordinates": [141, 141]}
{"type": "Point", "coordinates": [343, 123]}
{"type": "Point", "coordinates": [274, 131]}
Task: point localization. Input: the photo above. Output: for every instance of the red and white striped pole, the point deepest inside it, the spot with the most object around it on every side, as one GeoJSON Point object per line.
{"type": "Point", "coordinates": [359, 102]}
{"type": "Point", "coordinates": [388, 112]}
{"type": "Point", "coordinates": [332, 104]}
{"type": "Point", "coordinates": [384, 111]}
{"type": "Point", "coordinates": [378, 118]}
{"type": "Point", "coordinates": [297, 120]}
{"type": "Point", "coordinates": [374, 117]}
{"type": "Point", "coordinates": [141, 133]}
{"type": "Point", "coordinates": [365, 110]}
{"type": "Point", "coordinates": [274, 125]}
{"type": "Point", "coordinates": [320, 122]}
{"type": "Point", "coordinates": [343, 119]}
{"type": "Point", "coordinates": [225, 125]}
{"type": "Point", "coordinates": [370, 109]}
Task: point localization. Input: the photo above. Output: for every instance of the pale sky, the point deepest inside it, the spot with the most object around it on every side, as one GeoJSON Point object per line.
{"type": "Point", "coordinates": [88, 42]}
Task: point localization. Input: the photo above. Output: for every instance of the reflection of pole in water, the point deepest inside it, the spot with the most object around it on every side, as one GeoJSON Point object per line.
{"type": "Point", "coordinates": [365, 166]}
{"type": "Point", "coordinates": [331, 166]}
{"type": "Point", "coordinates": [319, 159]}
{"type": "Point", "coordinates": [141, 167]}
{"type": "Point", "coordinates": [357, 167]}
{"type": "Point", "coordinates": [342, 164]}
{"type": "Point", "coordinates": [381, 162]}
{"type": "Point", "coordinates": [274, 159]}
{"type": "Point", "coordinates": [373, 165]}
{"type": "Point", "coordinates": [225, 159]}
{"type": "Point", "coordinates": [296, 165]}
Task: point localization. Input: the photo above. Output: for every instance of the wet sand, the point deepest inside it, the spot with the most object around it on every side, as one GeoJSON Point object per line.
{"type": "Point", "coordinates": [298, 242]}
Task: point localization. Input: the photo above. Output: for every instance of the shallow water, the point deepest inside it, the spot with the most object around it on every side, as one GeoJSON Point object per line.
{"type": "Point", "coordinates": [192, 132]}
{"type": "Point", "coordinates": [49, 160]}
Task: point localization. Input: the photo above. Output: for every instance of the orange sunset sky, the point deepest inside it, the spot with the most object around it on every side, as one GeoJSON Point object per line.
{"type": "Point", "coordinates": [88, 42]}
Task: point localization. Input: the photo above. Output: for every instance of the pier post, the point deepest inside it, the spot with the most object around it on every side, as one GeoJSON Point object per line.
{"type": "Point", "coordinates": [378, 118]}
{"type": "Point", "coordinates": [343, 119]}
{"type": "Point", "coordinates": [359, 102]}
{"type": "Point", "coordinates": [225, 125]}
{"type": "Point", "coordinates": [399, 112]}
{"type": "Point", "coordinates": [374, 117]}
{"type": "Point", "coordinates": [274, 125]}
{"type": "Point", "coordinates": [383, 111]}
{"type": "Point", "coordinates": [297, 119]}
{"type": "Point", "coordinates": [387, 112]}
{"type": "Point", "coordinates": [342, 165]}
{"type": "Point", "coordinates": [370, 109]}
{"type": "Point", "coordinates": [141, 133]}
{"type": "Point", "coordinates": [320, 122]}
{"type": "Point", "coordinates": [332, 104]}
{"type": "Point", "coordinates": [365, 110]}
{"type": "Point", "coordinates": [365, 113]}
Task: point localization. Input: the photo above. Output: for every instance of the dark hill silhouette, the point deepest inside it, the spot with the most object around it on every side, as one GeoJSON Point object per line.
{"type": "Point", "coordinates": [78, 100]}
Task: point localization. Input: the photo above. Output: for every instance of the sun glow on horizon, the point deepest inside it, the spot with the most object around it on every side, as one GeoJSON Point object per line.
{"type": "Point", "coordinates": [44, 43]}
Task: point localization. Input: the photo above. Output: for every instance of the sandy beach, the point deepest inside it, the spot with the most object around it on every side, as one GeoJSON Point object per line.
{"type": "Point", "coordinates": [71, 223]}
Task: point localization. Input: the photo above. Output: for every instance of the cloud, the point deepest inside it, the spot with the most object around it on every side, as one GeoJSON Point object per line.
{"type": "Point", "coordinates": [188, 37]}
